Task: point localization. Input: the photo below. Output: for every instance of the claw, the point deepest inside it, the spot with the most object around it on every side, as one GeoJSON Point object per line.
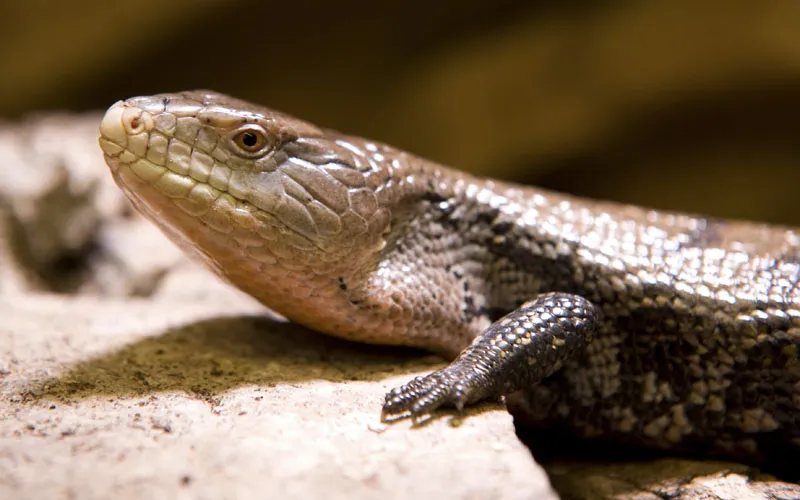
{"type": "Point", "coordinates": [424, 395]}
{"type": "Point", "coordinates": [407, 397]}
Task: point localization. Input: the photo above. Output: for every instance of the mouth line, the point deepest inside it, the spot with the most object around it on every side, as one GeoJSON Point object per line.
{"type": "Point", "coordinates": [184, 168]}
{"type": "Point", "coordinates": [120, 157]}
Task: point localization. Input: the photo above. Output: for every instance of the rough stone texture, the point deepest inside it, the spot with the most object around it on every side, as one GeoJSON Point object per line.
{"type": "Point", "coordinates": [151, 379]}
{"type": "Point", "coordinates": [210, 399]}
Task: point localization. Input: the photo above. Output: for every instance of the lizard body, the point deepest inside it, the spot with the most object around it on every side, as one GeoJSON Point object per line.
{"type": "Point", "coordinates": [667, 330]}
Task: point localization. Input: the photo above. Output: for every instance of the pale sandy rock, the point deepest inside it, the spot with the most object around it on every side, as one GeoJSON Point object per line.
{"type": "Point", "coordinates": [139, 399]}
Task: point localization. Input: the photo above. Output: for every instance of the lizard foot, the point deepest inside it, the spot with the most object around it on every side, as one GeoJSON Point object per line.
{"type": "Point", "coordinates": [450, 386]}
{"type": "Point", "coordinates": [517, 351]}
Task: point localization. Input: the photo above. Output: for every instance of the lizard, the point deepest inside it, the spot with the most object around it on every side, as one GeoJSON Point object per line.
{"type": "Point", "coordinates": [658, 329]}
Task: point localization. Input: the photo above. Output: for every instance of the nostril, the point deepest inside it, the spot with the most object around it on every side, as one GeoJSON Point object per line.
{"type": "Point", "coordinates": [136, 120]}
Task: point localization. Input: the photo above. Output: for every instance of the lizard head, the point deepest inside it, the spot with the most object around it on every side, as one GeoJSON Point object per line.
{"type": "Point", "coordinates": [204, 165]}
{"type": "Point", "coordinates": [283, 209]}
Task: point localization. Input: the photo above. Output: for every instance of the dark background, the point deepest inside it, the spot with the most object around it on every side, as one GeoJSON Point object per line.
{"type": "Point", "coordinates": [669, 104]}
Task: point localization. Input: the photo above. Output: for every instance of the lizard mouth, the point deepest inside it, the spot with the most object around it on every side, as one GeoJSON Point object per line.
{"type": "Point", "coordinates": [144, 148]}
{"type": "Point", "coordinates": [161, 163]}
{"type": "Point", "coordinates": [176, 181]}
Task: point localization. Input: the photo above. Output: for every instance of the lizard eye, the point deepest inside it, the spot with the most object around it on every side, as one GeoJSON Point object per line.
{"type": "Point", "coordinates": [251, 140]}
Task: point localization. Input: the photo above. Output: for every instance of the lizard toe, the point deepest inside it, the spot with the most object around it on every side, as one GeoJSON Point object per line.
{"type": "Point", "coordinates": [424, 395]}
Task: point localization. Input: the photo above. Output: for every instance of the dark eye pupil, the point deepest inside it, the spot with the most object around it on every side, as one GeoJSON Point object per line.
{"type": "Point", "coordinates": [249, 139]}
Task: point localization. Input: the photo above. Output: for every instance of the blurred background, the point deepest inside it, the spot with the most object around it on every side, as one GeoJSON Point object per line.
{"type": "Point", "coordinates": [669, 104]}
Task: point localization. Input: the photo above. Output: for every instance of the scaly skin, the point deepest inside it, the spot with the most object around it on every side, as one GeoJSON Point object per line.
{"type": "Point", "coordinates": [652, 328]}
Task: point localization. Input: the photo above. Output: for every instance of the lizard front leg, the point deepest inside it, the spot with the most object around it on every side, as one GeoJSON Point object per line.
{"type": "Point", "coordinates": [515, 352]}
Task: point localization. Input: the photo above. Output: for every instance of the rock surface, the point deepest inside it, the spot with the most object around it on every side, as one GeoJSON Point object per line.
{"type": "Point", "coordinates": [128, 372]}
{"type": "Point", "coordinates": [212, 399]}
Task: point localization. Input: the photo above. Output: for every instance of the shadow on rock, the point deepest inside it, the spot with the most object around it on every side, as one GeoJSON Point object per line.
{"type": "Point", "coordinates": [208, 357]}
{"type": "Point", "coordinates": [600, 469]}
{"type": "Point", "coordinates": [665, 478]}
